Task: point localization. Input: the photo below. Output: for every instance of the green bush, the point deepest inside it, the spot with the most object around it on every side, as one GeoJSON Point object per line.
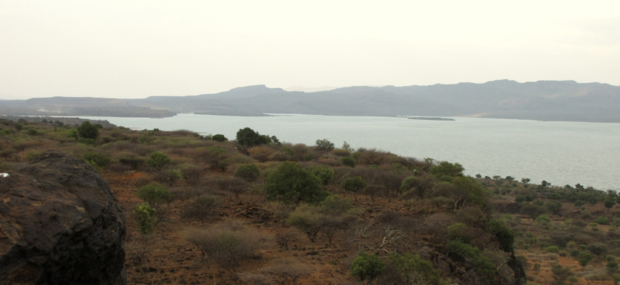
{"type": "Point", "coordinates": [32, 132]}
{"type": "Point", "coordinates": [248, 137]}
{"type": "Point", "coordinates": [584, 258]}
{"type": "Point", "coordinates": [72, 134]}
{"type": "Point", "coordinates": [157, 160]}
{"type": "Point", "coordinates": [415, 270]}
{"type": "Point", "coordinates": [504, 235]}
{"type": "Point", "coordinates": [458, 231]}
{"type": "Point", "coordinates": [219, 138]}
{"type": "Point", "coordinates": [602, 221]}
{"type": "Point", "coordinates": [324, 145]}
{"type": "Point", "coordinates": [88, 131]}
{"type": "Point", "coordinates": [325, 173]}
{"type": "Point", "coordinates": [18, 127]}
{"type": "Point", "coordinates": [87, 141]}
{"type": "Point", "coordinates": [552, 249]}
{"type": "Point", "coordinates": [248, 172]}
{"type": "Point", "coordinates": [543, 219]}
{"type": "Point", "coordinates": [144, 216]}
{"type": "Point", "coordinates": [447, 169]}
{"type": "Point", "coordinates": [154, 193]}
{"type": "Point", "coordinates": [353, 184]}
{"type": "Point", "coordinates": [292, 184]}
{"type": "Point", "coordinates": [367, 266]}
{"type": "Point", "coordinates": [147, 139]}
{"type": "Point", "coordinates": [96, 159]}
{"type": "Point", "coordinates": [348, 161]}
{"type": "Point", "coordinates": [575, 253]}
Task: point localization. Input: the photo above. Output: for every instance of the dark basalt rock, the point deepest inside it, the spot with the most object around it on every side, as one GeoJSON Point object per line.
{"type": "Point", "coordinates": [60, 224]}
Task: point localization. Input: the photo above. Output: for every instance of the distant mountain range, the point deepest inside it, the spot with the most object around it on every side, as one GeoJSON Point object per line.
{"type": "Point", "coordinates": [541, 100]}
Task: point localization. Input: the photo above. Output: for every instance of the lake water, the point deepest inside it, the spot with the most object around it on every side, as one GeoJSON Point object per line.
{"type": "Point", "coordinates": [559, 152]}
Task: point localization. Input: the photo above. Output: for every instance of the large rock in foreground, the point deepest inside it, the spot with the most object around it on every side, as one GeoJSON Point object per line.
{"type": "Point", "coordinates": [60, 224]}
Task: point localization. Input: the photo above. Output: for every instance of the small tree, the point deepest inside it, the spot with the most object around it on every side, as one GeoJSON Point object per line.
{"type": "Point", "coordinates": [306, 220]}
{"type": "Point", "coordinates": [248, 172]}
{"type": "Point", "coordinates": [367, 266]}
{"type": "Point", "coordinates": [248, 137]}
{"type": "Point", "coordinates": [353, 184]}
{"type": "Point", "coordinates": [157, 160]}
{"type": "Point", "coordinates": [219, 138]}
{"type": "Point", "coordinates": [325, 173]}
{"type": "Point", "coordinates": [584, 259]}
{"type": "Point", "coordinates": [144, 216]}
{"type": "Point", "coordinates": [154, 193]}
{"type": "Point", "coordinates": [87, 130]}
{"type": "Point", "coordinates": [290, 183]}
{"type": "Point", "coordinates": [348, 161]}
{"type": "Point", "coordinates": [97, 159]}
{"type": "Point", "coordinates": [560, 274]}
{"type": "Point", "coordinates": [324, 145]}
{"type": "Point", "coordinates": [201, 208]}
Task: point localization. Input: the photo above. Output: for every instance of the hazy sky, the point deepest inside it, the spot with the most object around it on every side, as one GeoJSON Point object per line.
{"type": "Point", "coordinates": [136, 48]}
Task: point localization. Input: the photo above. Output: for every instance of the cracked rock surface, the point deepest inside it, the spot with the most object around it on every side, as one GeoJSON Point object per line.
{"type": "Point", "coordinates": [60, 224]}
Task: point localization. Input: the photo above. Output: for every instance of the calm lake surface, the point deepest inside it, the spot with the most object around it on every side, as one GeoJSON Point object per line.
{"type": "Point", "coordinates": [559, 152]}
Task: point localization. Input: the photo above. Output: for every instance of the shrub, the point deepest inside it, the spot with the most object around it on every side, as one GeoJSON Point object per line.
{"type": "Point", "coordinates": [612, 266]}
{"type": "Point", "coordinates": [554, 207]}
{"type": "Point", "coordinates": [584, 258]}
{"type": "Point", "coordinates": [18, 127]}
{"type": "Point", "coordinates": [289, 267]}
{"type": "Point", "coordinates": [261, 153]}
{"type": "Point", "coordinates": [154, 193]}
{"type": "Point", "coordinates": [32, 155]}
{"type": "Point", "coordinates": [147, 139]}
{"type": "Point", "coordinates": [353, 184]}
{"type": "Point", "coordinates": [290, 183]}
{"type": "Point", "coordinates": [585, 214]}
{"type": "Point", "coordinates": [32, 132]}
{"type": "Point", "coordinates": [144, 216]}
{"type": "Point", "coordinates": [306, 220]}
{"type": "Point", "coordinates": [552, 249]}
{"type": "Point", "coordinates": [447, 169]}
{"type": "Point", "coordinates": [458, 231]}
{"type": "Point", "coordinates": [575, 253]}
{"type": "Point", "coordinates": [325, 173]}
{"type": "Point", "coordinates": [248, 172]}
{"type": "Point", "coordinates": [324, 145]}
{"type": "Point", "coordinates": [348, 161]}
{"type": "Point", "coordinates": [367, 266]}
{"type": "Point", "coordinates": [504, 235]}
{"type": "Point", "coordinates": [219, 138]}
{"type": "Point", "coordinates": [234, 185]}
{"type": "Point", "coordinates": [248, 137]}
{"type": "Point", "coordinates": [227, 243]}
{"type": "Point", "coordinates": [157, 160]}
{"type": "Point", "coordinates": [200, 208]}
{"type": "Point", "coordinates": [602, 221]}
{"type": "Point", "coordinates": [192, 174]}
{"type": "Point", "coordinates": [87, 141]}
{"type": "Point", "coordinates": [543, 219]}
{"type": "Point", "coordinates": [97, 159]}
{"type": "Point", "coordinates": [415, 270]}
{"type": "Point", "coordinates": [88, 131]}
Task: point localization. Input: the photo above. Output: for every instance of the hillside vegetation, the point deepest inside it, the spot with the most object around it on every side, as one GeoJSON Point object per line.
{"type": "Point", "coordinates": [254, 210]}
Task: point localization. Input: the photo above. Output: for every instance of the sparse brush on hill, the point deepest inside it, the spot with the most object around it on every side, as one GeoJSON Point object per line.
{"type": "Point", "coordinates": [211, 204]}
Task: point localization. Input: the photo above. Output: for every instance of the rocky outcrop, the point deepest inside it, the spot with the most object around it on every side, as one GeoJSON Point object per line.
{"type": "Point", "coordinates": [60, 224]}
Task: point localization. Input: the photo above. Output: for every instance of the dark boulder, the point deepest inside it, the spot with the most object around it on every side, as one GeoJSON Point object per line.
{"type": "Point", "coordinates": [60, 224]}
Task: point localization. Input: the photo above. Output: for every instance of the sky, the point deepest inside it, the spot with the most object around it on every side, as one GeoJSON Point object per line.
{"type": "Point", "coordinates": [136, 49]}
